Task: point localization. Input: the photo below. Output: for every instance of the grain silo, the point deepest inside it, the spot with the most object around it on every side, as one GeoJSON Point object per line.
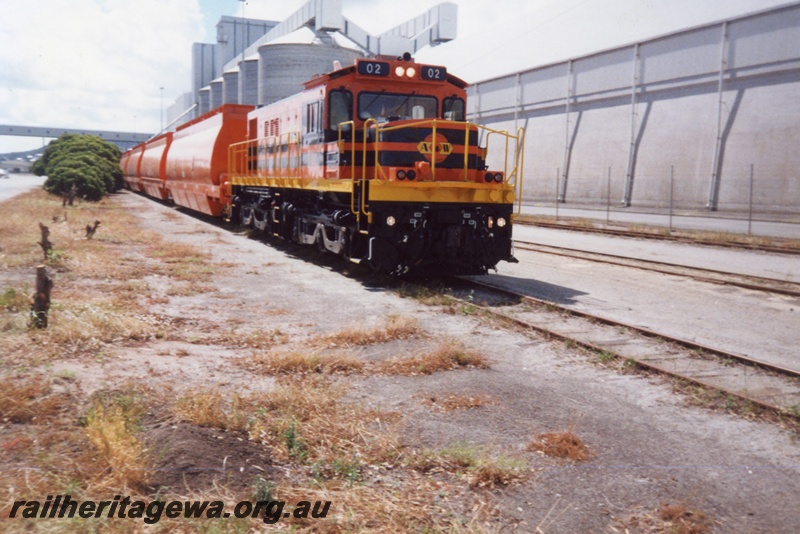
{"type": "Point", "coordinates": [216, 93]}
{"type": "Point", "coordinates": [248, 81]}
{"type": "Point", "coordinates": [286, 63]}
{"type": "Point", "coordinates": [230, 86]}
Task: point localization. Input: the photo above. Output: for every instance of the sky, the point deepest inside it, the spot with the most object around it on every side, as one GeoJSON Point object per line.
{"type": "Point", "coordinates": [101, 64]}
{"type": "Point", "coordinates": [115, 64]}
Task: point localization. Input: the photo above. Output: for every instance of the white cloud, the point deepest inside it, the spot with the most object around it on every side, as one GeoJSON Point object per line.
{"type": "Point", "coordinates": [93, 63]}
{"type": "Point", "coordinates": [99, 63]}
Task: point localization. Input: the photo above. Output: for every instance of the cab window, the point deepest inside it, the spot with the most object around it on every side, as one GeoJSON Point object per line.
{"type": "Point", "coordinates": [384, 106]}
{"type": "Point", "coordinates": [453, 109]}
{"type": "Point", "coordinates": [340, 108]}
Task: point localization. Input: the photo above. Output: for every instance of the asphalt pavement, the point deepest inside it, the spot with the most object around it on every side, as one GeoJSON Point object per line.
{"type": "Point", "coordinates": [17, 183]}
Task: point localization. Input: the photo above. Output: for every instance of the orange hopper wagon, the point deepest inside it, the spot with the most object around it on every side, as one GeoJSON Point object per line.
{"type": "Point", "coordinates": [130, 167]}
{"type": "Point", "coordinates": [197, 160]}
{"type": "Point", "coordinates": [152, 169]}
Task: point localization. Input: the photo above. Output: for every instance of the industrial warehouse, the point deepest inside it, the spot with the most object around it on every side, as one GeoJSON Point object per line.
{"type": "Point", "coordinates": [686, 118]}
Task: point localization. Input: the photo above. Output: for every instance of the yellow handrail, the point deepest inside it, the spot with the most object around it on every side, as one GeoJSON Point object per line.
{"type": "Point", "coordinates": [352, 125]}
{"type": "Point", "coordinates": [286, 156]}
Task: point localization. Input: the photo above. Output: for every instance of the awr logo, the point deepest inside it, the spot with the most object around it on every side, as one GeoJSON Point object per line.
{"type": "Point", "coordinates": [440, 147]}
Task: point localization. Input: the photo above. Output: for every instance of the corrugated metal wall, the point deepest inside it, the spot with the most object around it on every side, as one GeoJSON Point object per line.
{"type": "Point", "coordinates": [703, 116]}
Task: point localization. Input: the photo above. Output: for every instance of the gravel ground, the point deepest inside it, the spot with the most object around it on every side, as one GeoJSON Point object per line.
{"type": "Point", "coordinates": [650, 447]}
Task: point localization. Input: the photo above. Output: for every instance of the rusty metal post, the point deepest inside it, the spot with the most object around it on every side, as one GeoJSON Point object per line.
{"type": "Point", "coordinates": [41, 299]}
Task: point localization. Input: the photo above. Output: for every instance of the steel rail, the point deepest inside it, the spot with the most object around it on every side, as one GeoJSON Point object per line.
{"type": "Point", "coordinates": [544, 330]}
{"type": "Point", "coordinates": [693, 345]}
{"type": "Point", "coordinates": [645, 364]}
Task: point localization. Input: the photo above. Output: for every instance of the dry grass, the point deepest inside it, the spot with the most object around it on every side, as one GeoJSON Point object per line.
{"type": "Point", "coordinates": [305, 421]}
{"type": "Point", "coordinates": [113, 428]}
{"type": "Point", "coordinates": [99, 298]}
{"type": "Point", "coordinates": [447, 357]}
{"type": "Point", "coordinates": [436, 295]}
{"type": "Point", "coordinates": [564, 445]}
{"type": "Point", "coordinates": [276, 363]}
{"type": "Point", "coordinates": [260, 339]}
{"type": "Point", "coordinates": [15, 300]}
{"type": "Point", "coordinates": [183, 262]}
{"type": "Point", "coordinates": [480, 467]}
{"type": "Point", "coordinates": [331, 447]}
{"type": "Point", "coordinates": [47, 448]}
{"type": "Point", "coordinates": [310, 422]}
{"type": "Point", "coordinates": [411, 503]}
{"type": "Point", "coordinates": [30, 401]}
{"type": "Point", "coordinates": [396, 327]}
{"type": "Point", "coordinates": [449, 402]}
{"type": "Point", "coordinates": [669, 518]}
{"type": "Point", "coordinates": [683, 520]}
{"type": "Point", "coordinates": [212, 408]}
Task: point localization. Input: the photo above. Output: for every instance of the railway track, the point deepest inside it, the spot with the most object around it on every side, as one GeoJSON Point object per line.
{"type": "Point", "coordinates": [788, 248]}
{"type": "Point", "coordinates": [741, 376]}
{"type": "Point", "coordinates": [697, 273]}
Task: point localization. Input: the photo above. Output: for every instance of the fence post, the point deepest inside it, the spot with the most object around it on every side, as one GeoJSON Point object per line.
{"type": "Point", "coordinates": [750, 208]}
{"type": "Point", "coordinates": [671, 193]}
{"type": "Point", "coordinates": [558, 178]}
{"type": "Point", "coordinates": [608, 197]}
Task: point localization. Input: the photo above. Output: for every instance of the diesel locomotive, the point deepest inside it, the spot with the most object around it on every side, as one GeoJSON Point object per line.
{"type": "Point", "coordinates": [374, 162]}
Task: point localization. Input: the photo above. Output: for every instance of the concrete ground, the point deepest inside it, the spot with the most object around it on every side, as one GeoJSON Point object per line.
{"type": "Point", "coordinates": [786, 225]}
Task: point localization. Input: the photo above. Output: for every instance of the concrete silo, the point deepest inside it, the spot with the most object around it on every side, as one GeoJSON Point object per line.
{"type": "Point", "coordinates": [248, 81]}
{"type": "Point", "coordinates": [204, 101]}
{"type": "Point", "coordinates": [286, 63]}
{"type": "Point", "coordinates": [216, 93]}
{"type": "Point", "coordinates": [230, 87]}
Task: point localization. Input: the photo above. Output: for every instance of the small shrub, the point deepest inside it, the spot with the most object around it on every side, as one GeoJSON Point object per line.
{"type": "Point", "coordinates": [565, 445]}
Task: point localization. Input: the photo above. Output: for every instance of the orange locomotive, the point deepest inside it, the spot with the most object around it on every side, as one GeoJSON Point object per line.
{"type": "Point", "coordinates": [374, 162]}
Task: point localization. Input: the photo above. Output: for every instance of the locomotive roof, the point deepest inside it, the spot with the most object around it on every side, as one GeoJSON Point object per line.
{"type": "Point", "coordinates": [344, 71]}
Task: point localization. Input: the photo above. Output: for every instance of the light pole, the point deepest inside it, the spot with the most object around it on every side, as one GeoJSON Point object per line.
{"type": "Point", "coordinates": [247, 28]}
{"type": "Point", "coordinates": [162, 108]}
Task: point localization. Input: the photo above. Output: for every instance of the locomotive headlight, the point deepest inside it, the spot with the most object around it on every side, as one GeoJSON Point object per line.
{"type": "Point", "coordinates": [490, 222]}
{"type": "Point", "coordinates": [411, 72]}
{"type": "Point", "coordinates": [498, 177]}
{"type": "Point", "coordinates": [488, 177]}
{"type": "Point", "coordinates": [399, 71]}
{"type": "Point", "coordinates": [390, 221]}
{"type": "Point", "coordinates": [411, 175]}
{"type": "Point", "coordinates": [401, 174]}
{"type": "Point", "coordinates": [501, 222]}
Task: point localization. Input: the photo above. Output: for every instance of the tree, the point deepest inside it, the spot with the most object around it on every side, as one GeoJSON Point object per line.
{"type": "Point", "coordinates": [86, 161]}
